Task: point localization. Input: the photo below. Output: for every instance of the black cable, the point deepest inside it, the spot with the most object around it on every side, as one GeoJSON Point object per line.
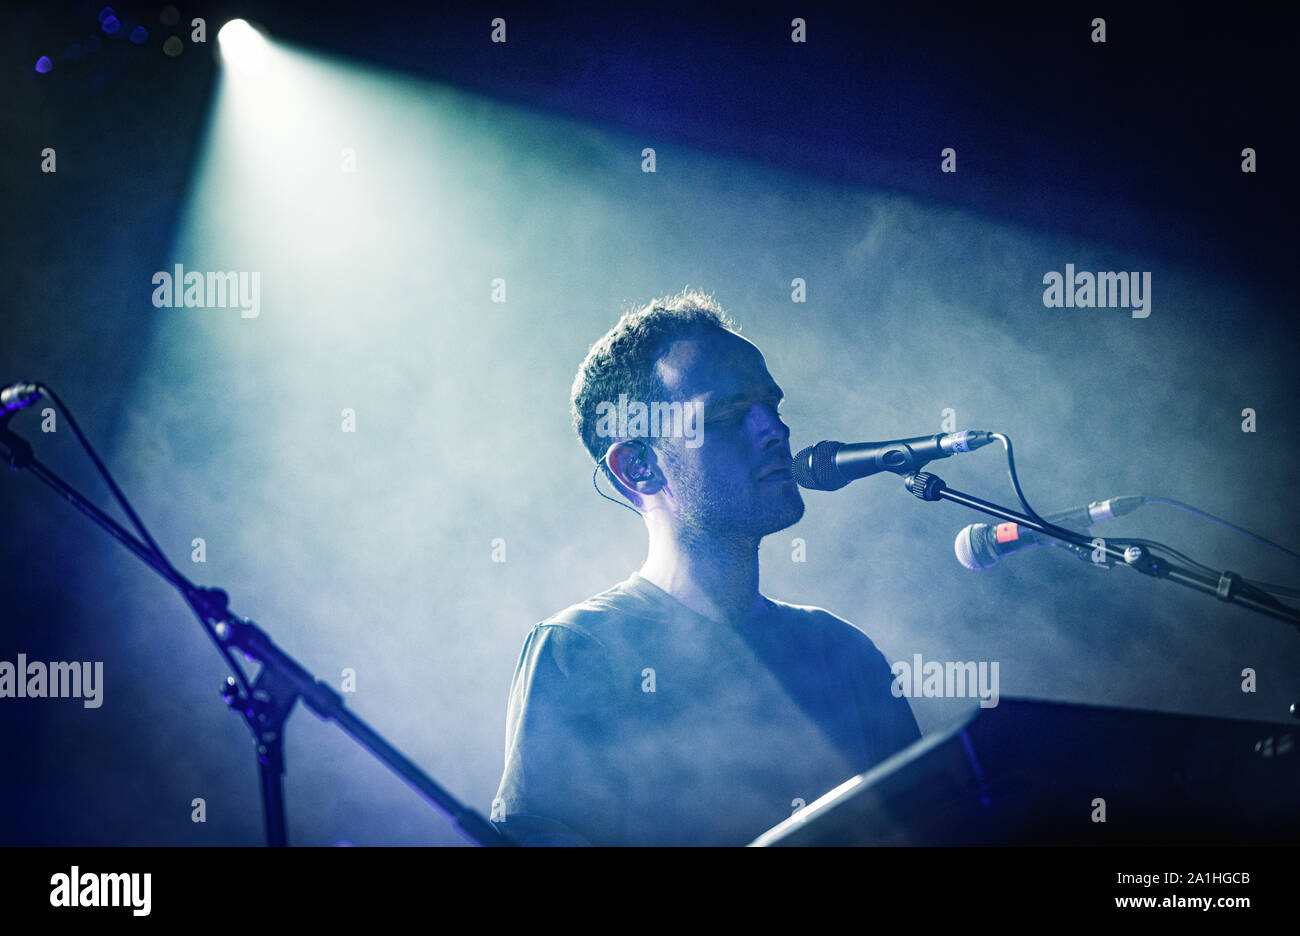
{"type": "Point", "coordinates": [1150, 544]}
{"type": "Point", "coordinates": [1153, 544]}
{"type": "Point", "coordinates": [177, 578]}
{"type": "Point", "coordinates": [1015, 480]}
{"type": "Point", "coordinates": [1156, 545]}
{"type": "Point", "coordinates": [1284, 590]}
{"type": "Point", "coordinates": [112, 485]}
{"type": "Point", "coordinates": [1223, 523]}
{"type": "Point", "coordinates": [595, 472]}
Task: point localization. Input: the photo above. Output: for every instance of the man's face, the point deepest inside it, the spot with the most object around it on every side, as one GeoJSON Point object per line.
{"type": "Point", "coordinates": [737, 482]}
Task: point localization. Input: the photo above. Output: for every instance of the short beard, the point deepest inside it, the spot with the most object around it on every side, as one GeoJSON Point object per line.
{"type": "Point", "coordinates": [733, 514]}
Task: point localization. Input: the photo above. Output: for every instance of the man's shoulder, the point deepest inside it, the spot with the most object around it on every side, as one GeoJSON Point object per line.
{"type": "Point", "coordinates": [588, 640]}
{"type": "Point", "coordinates": [821, 615]}
{"type": "Point", "coordinates": [835, 629]}
{"type": "Point", "coordinates": [598, 619]}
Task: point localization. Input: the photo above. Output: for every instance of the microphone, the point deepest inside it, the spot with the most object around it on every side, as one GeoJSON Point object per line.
{"type": "Point", "coordinates": [15, 396]}
{"type": "Point", "coordinates": [828, 466]}
{"type": "Point", "coordinates": [982, 545]}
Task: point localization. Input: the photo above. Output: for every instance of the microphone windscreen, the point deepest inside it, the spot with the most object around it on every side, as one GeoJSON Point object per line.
{"type": "Point", "coordinates": [974, 547]}
{"type": "Point", "coordinates": [801, 466]}
{"type": "Point", "coordinates": [814, 467]}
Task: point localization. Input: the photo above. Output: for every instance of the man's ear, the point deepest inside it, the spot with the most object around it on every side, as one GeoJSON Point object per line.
{"type": "Point", "coordinates": [635, 467]}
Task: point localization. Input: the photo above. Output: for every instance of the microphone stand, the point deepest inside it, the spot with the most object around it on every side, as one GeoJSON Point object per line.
{"type": "Point", "coordinates": [1229, 587]}
{"type": "Point", "coordinates": [267, 703]}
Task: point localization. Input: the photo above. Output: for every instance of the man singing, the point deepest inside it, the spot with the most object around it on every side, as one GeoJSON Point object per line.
{"type": "Point", "coordinates": [682, 706]}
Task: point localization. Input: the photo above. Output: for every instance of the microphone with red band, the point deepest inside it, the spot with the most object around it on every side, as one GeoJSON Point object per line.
{"type": "Point", "coordinates": [982, 545]}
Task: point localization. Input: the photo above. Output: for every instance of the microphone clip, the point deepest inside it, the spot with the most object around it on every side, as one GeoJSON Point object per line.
{"type": "Point", "coordinates": [927, 486]}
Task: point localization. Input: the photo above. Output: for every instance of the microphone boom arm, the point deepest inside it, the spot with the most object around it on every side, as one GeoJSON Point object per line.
{"type": "Point", "coordinates": [1229, 587]}
{"type": "Point", "coordinates": [281, 682]}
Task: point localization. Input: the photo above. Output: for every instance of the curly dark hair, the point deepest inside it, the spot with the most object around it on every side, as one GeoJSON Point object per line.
{"type": "Point", "coordinates": [623, 361]}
